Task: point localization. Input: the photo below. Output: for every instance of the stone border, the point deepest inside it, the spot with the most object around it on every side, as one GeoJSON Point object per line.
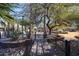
{"type": "Point", "coordinates": [16, 44]}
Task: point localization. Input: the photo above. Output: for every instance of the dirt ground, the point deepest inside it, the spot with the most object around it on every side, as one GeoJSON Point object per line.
{"type": "Point", "coordinates": [70, 35]}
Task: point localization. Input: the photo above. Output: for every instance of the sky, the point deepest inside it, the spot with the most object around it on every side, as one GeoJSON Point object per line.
{"type": "Point", "coordinates": [19, 10]}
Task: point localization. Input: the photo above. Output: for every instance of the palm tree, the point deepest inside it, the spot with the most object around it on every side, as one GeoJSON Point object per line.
{"type": "Point", "coordinates": [5, 9]}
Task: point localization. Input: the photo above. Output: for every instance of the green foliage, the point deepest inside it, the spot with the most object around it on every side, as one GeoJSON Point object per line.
{"type": "Point", "coordinates": [5, 9]}
{"type": "Point", "coordinates": [63, 14]}
{"type": "Point", "coordinates": [26, 22]}
{"type": "Point", "coordinates": [15, 35]}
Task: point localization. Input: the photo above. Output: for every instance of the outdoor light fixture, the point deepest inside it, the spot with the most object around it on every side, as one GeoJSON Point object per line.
{"type": "Point", "coordinates": [35, 32]}
{"type": "Point", "coordinates": [28, 33]}
{"type": "Point", "coordinates": [35, 28]}
{"type": "Point", "coordinates": [28, 30]}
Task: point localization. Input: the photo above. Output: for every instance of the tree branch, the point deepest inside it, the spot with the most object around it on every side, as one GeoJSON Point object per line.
{"type": "Point", "coordinates": [48, 21]}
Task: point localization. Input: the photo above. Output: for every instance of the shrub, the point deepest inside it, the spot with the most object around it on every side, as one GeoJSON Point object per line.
{"type": "Point", "coordinates": [14, 35]}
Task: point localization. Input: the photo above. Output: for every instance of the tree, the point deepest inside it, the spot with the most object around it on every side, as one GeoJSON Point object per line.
{"type": "Point", "coordinates": [34, 11]}
{"type": "Point", "coordinates": [5, 9]}
{"type": "Point", "coordinates": [61, 15]}
{"type": "Point", "coordinates": [26, 23]}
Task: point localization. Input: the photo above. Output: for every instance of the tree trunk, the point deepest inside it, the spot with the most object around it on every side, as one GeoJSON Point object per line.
{"type": "Point", "coordinates": [13, 28]}
{"type": "Point", "coordinates": [22, 31]}
{"type": "Point", "coordinates": [25, 31]}
{"type": "Point", "coordinates": [17, 27]}
{"type": "Point", "coordinates": [29, 36]}
{"type": "Point", "coordinates": [8, 27]}
{"type": "Point", "coordinates": [50, 31]}
{"type": "Point", "coordinates": [45, 27]}
{"type": "Point", "coordinates": [5, 29]}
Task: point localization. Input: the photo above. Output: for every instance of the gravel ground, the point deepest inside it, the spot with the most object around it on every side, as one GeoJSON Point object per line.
{"type": "Point", "coordinates": [60, 48]}
{"type": "Point", "coordinates": [40, 49]}
{"type": "Point", "coordinates": [12, 51]}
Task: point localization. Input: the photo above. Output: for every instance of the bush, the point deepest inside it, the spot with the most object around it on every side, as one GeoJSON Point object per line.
{"type": "Point", "coordinates": [14, 35]}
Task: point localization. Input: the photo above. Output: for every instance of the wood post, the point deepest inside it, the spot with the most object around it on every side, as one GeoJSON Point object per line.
{"type": "Point", "coordinates": [67, 48]}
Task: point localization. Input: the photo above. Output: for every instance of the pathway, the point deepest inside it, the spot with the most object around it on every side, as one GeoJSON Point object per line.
{"type": "Point", "coordinates": [41, 47]}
